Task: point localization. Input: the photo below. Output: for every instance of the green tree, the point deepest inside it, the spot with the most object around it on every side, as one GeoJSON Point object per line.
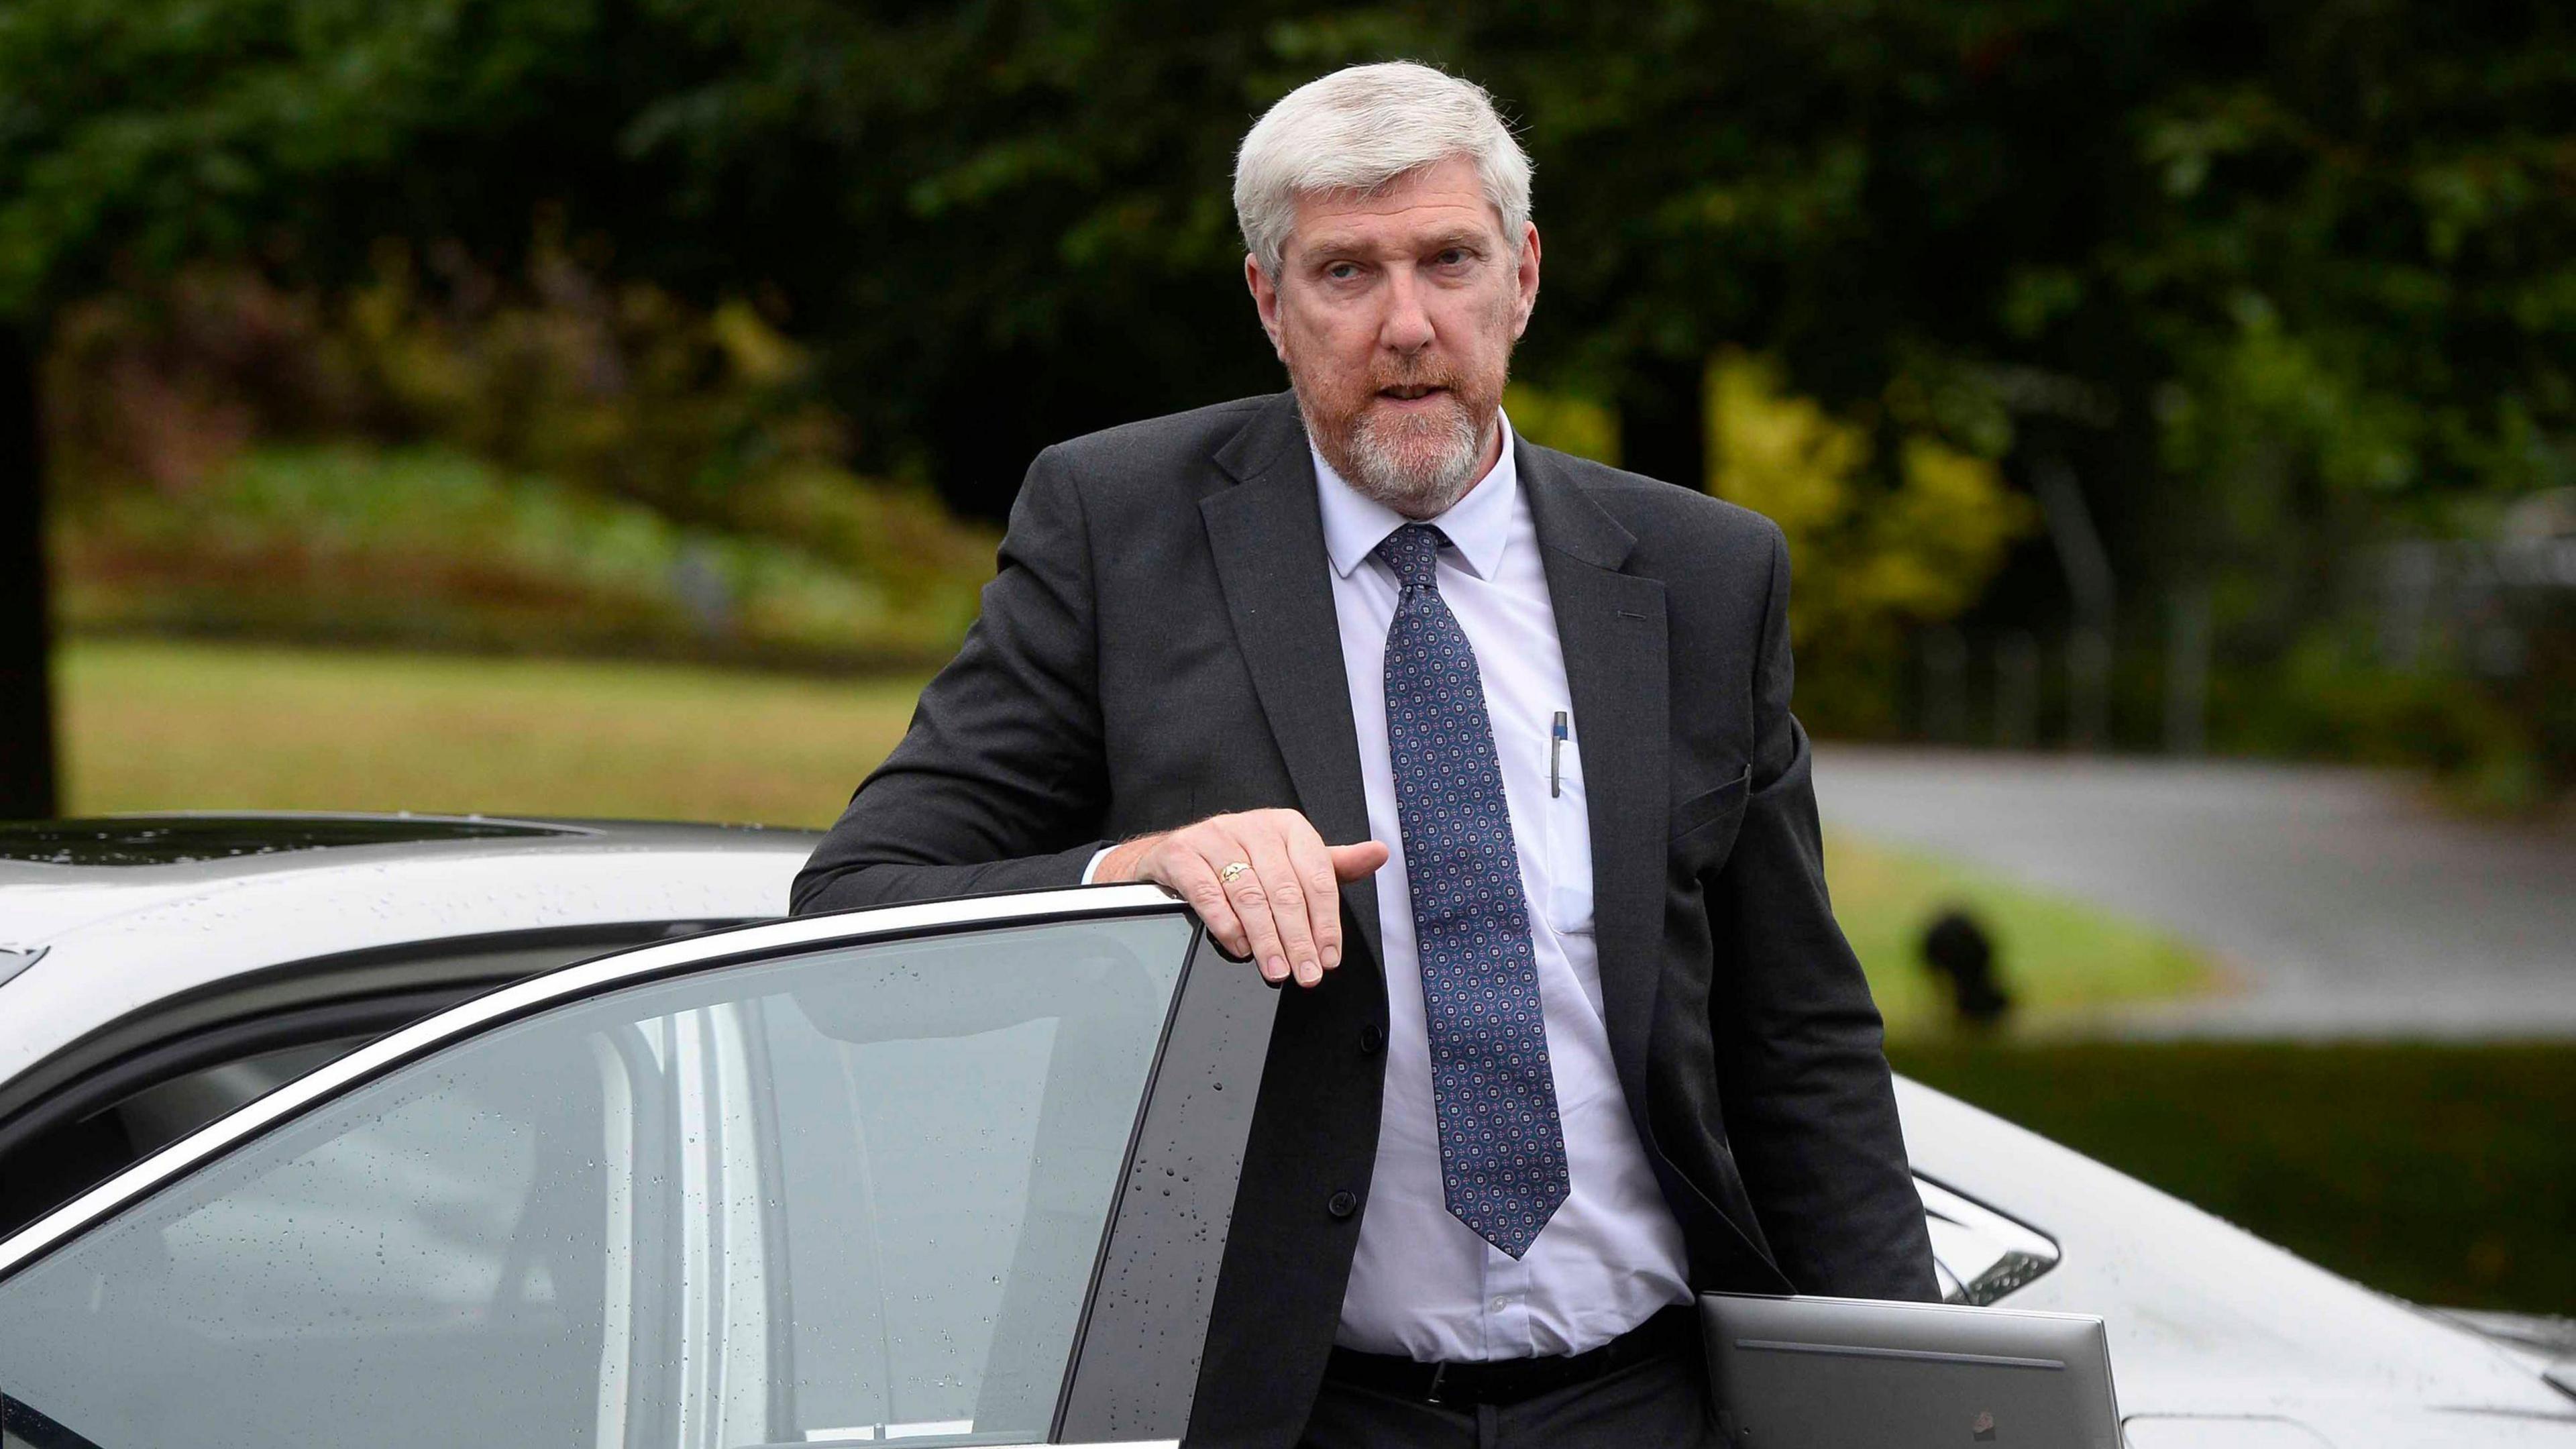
{"type": "Point", "coordinates": [138, 137]}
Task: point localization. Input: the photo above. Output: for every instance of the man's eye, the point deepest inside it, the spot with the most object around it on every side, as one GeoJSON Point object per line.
{"type": "Point", "coordinates": [1454, 256]}
{"type": "Point", "coordinates": [1341, 271]}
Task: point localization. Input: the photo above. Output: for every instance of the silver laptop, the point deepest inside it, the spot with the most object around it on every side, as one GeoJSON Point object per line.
{"type": "Point", "coordinates": [1848, 1373]}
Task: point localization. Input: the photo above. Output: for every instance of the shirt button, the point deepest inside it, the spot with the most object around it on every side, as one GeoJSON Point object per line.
{"type": "Point", "coordinates": [1342, 1204]}
{"type": "Point", "coordinates": [1501, 1303]}
{"type": "Point", "coordinates": [1372, 1040]}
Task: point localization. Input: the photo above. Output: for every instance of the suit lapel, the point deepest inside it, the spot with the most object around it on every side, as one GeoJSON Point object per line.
{"type": "Point", "coordinates": [1611, 627]}
{"type": "Point", "coordinates": [1267, 535]}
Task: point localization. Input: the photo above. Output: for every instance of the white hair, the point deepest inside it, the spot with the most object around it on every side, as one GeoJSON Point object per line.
{"type": "Point", "coordinates": [1359, 129]}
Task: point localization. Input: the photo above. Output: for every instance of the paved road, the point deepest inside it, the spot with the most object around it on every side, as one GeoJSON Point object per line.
{"type": "Point", "coordinates": [2340, 902]}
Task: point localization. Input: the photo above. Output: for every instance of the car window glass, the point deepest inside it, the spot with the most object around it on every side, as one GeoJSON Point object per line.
{"type": "Point", "coordinates": [851, 1195]}
{"type": "Point", "coordinates": [160, 1075]}
{"type": "Point", "coordinates": [167, 1111]}
{"type": "Point", "coordinates": [82, 1145]}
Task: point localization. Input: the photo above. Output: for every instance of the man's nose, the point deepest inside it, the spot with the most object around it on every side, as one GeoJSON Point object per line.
{"type": "Point", "coordinates": [1407, 324]}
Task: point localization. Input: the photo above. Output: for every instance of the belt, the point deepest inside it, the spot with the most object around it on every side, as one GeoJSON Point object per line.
{"type": "Point", "coordinates": [1510, 1380]}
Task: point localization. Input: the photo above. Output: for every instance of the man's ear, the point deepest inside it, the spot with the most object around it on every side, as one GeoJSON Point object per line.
{"type": "Point", "coordinates": [1527, 279]}
{"type": "Point", "coordinates": [1265, 300]}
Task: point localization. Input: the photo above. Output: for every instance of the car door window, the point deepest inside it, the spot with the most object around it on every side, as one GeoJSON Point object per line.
{"type": "Point", "coordinates": [157, 1075]}
{"type": "Point", "coordinates": [854, 1194]}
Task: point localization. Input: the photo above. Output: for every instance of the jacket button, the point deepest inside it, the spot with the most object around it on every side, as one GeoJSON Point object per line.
{"type": "Point", "coordinates": [1372, 1040]}
{"type": "Point", "coordinates": [1342, 1204]}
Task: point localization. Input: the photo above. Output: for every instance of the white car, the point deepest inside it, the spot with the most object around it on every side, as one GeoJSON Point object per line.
{"type": "Point", "coordinates": [312, 1133]}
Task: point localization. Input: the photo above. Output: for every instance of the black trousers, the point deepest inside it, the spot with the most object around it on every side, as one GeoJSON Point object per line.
{"type": "Point", "coordinates": [1662, 1401]}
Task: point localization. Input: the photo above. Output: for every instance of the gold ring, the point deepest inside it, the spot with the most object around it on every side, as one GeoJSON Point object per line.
{"type": "Point", "coordinates": [1228, 874]}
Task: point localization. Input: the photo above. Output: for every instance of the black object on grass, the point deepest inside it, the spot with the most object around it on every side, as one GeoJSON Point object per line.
{"type": "Point", "coordinates": [1955, 946]}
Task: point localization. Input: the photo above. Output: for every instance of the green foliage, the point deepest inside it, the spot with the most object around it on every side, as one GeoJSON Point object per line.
{"type": "Point", "coordinates": [1565, 422]}
{"type": "Point", "coordinates": [2126, 198]}
{"type": "Point", "coordinates": [158, 132]}
{"type": "Point", "coordinates": [1877, 547]}
{"type": "Point", "coordinates": [2443, 1174]}
{"type": "Point", "coordinates": [619, 385]}
{"type": "Point", "coordinates": [2327, 700]}
{"type": "Point", "coordinates": [435, 548]}
{"type": "Point", "coordinates": [621, 431]}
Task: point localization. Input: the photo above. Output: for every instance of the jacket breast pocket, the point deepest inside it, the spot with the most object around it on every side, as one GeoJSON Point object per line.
{"type": "Point", "coordinates": [1704, 825]}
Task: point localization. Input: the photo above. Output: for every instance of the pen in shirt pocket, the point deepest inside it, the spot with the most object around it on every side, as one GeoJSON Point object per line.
{"type": "Point", "coordinates": [1556, 756]}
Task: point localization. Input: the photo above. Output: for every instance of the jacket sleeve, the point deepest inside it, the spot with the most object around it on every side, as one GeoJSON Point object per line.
{"type": "Point", "coordinates": [1809, 1103]}
{"type": "Point", "coordinates": [1000, 782]}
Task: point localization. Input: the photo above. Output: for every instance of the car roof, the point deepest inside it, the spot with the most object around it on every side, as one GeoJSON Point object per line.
{"type": "Point", "coordinates": [59, 875]}
{"type": "Point", "coordinates": [199, 838]}
{"type": "Point", "coordinates": [102, 918]}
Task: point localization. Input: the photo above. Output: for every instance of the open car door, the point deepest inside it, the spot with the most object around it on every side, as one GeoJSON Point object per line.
{"type": "Point", "coordinates": [956, 1173]}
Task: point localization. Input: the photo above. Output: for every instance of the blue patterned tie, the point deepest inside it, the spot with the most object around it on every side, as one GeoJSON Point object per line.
{"type": "Point", "coordinates": [1502, 1151]}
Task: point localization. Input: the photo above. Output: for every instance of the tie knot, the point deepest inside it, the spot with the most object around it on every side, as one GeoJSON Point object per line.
{"type": "Point", "coordinates": [1413, 551]}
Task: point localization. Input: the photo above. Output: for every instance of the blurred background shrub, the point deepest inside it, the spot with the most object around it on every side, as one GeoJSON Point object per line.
{"type": "Point", "coordinates": [432, 547]}
{"type": "Point", "coordinates": [1890, 528]}
{"type": "Point", "coordinates": [540, 464]}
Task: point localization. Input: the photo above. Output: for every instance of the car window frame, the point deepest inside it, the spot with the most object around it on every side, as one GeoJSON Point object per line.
{"type": "Point", "coordinates": [455, 967]}
{"type": "Point", "coordinates": [364, 993]}
{"type": "Point", "coordinates": [1153, 1275]}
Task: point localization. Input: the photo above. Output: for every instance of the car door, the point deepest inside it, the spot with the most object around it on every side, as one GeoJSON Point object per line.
{"type": "Point", "coordinates": [945, 1174]}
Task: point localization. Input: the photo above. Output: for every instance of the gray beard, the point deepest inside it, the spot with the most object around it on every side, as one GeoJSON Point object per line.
{"type": "Point", "coordinates": [1419, 472]}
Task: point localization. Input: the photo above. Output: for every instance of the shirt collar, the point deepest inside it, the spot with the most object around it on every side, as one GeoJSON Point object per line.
{"type": "Point", "coordinates": [1478, 525]}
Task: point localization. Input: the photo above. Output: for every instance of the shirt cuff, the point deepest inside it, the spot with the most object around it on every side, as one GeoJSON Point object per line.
{"type": "Point", "coordinates": [1097, 856]}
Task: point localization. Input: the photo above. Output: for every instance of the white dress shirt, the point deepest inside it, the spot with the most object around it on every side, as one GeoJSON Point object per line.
{"type": "Point", "coordinates": [1422, 1283]}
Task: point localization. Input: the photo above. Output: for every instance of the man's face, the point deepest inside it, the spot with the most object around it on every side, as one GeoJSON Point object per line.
{"type": "Point", "coordinates": [1396, 314]}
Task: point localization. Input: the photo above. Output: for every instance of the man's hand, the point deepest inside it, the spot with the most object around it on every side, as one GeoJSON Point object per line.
{"type": "Point", "coordinates": [1285, 912]}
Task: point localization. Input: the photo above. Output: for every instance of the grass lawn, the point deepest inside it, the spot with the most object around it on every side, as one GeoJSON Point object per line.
{"type": "Point", "coordinates": [2441, 1173]}
{"type": "Point", "coordinates": [2062, 960]}
{"type": "Point", "coordinates": [164, 725]}
{"type": "Point", "coordinates": [152, 726]}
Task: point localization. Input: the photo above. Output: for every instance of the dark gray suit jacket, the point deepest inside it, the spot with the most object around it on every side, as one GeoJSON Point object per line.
{"type": "Point", "coordinates": [1160, 646]}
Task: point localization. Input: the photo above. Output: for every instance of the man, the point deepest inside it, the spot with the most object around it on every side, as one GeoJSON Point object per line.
{"type": "Point", "coordinates": [1488, 750]}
